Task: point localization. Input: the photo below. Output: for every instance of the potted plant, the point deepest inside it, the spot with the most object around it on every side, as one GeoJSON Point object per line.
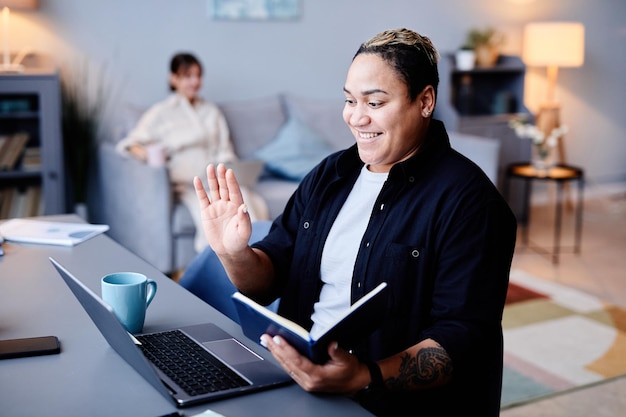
{"type": "Point", "coordinates": [486, 45]}
{"type": "Point", "coordinates": [83, 100]}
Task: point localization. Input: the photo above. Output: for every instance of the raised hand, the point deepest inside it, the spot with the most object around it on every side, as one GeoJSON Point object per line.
{"type": "Point", "coordinates": [225, 220]}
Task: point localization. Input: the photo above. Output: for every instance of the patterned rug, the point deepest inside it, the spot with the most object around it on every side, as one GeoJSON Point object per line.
{"type": "Point", "coordinates": [557, 339]}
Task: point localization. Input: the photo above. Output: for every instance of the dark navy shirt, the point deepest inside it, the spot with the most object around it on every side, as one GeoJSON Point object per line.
{"type": "Point", "coordinates": [442, 237]}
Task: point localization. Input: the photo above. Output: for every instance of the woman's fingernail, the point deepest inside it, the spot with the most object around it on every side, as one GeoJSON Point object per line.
{"type": "Point", "coordinates": [264, 341]}
{"type": "Point", "coordinates": [276, 340]}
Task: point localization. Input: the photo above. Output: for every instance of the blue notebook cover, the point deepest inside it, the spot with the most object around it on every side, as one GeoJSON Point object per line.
{"type": "Point", "coordinates": [359, 321]}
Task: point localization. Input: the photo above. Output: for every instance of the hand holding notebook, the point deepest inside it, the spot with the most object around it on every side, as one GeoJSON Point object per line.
{"type": "Point", "coordinates": [361, 319]}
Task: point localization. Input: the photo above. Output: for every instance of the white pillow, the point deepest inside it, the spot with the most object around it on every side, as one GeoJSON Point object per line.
{"type": "Point", "coordinates": [295, 150]}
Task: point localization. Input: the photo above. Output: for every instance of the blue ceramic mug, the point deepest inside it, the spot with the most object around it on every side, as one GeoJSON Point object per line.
{"type": "Point", "coordinates": [129, 294]}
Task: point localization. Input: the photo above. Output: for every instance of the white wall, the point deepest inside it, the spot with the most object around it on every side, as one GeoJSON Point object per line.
{"type": "Point", "coordinates": [133, 41]}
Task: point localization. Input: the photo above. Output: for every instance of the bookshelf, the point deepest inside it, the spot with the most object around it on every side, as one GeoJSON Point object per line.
{"type": "Point", "coordinates": [481, 102]}
{"type": "Point", "coordinates": [32, 179]}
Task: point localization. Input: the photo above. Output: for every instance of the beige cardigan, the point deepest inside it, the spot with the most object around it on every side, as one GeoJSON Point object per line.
{"type": "Point", "coordinates": [193, 136]}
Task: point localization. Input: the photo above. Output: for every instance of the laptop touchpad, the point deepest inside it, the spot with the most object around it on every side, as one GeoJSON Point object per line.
{"type": "Point", "coordinates": [231, 351]}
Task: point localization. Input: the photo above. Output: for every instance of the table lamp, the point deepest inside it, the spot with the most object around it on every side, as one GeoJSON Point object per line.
{"type": "Point", "coordinates": [553, 45]}
{"type": "Point", "coordinates": [6, 6]}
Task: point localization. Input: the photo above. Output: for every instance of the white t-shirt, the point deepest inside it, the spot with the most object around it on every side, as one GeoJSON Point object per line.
{"type": "Point", "coordinates": [341, 249]}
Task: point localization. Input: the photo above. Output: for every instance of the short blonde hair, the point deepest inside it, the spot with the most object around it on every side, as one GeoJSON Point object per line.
{"type": "Point", "coordinates": [411, 55]}
{"type": "Point", "coordinates": [404, 37]}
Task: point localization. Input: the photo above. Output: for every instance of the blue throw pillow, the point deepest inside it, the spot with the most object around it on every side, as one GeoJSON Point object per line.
{"type": "Point", "coordinates": [295, 151]}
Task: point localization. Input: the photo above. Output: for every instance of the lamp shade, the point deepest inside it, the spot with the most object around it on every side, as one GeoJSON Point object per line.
{"type": "Point", "coordinates": [560, 44]}
{"type": "Point", "coordinates": [20, 4]}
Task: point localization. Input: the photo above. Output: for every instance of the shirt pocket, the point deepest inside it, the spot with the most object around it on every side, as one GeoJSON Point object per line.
{"type": "Point", "coordinates": [404, 268]}
{"type": "Point", "coordinates": [401, 256]}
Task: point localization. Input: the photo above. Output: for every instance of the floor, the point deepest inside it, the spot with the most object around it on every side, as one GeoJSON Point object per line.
{"type": "Point", "coordinates": [600, 269]}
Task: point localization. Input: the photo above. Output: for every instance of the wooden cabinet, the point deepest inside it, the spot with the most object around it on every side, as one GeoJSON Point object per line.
{"type": "Point", "coordinates": [30, 103]}
{"type": "Point", "coordinates": [481, 102]}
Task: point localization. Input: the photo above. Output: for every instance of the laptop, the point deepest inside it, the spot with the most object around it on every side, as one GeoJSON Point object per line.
{"type": "Point", "coordinates": [247, 171]}
{"type": "Point", "coordinates": [240, 369]}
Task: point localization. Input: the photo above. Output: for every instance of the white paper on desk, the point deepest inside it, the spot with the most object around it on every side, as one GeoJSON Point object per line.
{"type": "Point", "coordinates": [49, 233]}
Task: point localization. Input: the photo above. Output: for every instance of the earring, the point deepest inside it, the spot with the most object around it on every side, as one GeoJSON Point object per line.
{"type": "Point", "coordinates": [426, 113]}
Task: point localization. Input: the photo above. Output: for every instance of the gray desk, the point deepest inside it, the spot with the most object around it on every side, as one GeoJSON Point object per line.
{"type": "Point", "coordinates": [88, 378]}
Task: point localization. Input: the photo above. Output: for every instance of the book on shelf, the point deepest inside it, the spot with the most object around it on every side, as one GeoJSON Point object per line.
{"type": "Point", "coordinates": [5, 144]}
{"type": "Point", "coordinates": [362, 318]}
{"type": "Point", "coordinates": [32, 202]}
{"type": "Point", "coordinates": [12, 148]}
{"type": "Point", "coordinates": [31, 160]}
{"type": "Point", "coordinates": [17, 203]}
{"type": "Point", "coordinates": [6, 201]}
{"type": "Point", "coordinates": [49, 232]}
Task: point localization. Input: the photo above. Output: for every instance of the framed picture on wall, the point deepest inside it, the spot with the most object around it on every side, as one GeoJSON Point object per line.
{"type": "Point", "coordinates": [254, 9]}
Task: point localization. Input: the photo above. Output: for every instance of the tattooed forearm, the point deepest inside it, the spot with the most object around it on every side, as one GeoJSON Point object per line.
{"type": "Point", "coordinates": [429, 366]}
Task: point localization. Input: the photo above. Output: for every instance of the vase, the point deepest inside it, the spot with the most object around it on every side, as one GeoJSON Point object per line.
{"type": "Point", "coordinates": [543, 158]}
{"type": "Point", "coordinates": [465, 59]}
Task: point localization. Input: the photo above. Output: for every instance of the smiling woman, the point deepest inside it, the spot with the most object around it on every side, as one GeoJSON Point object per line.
{"type": "Point", "coordinates": [190, 133]}
{"type": "Point", "coordinates": [400, 206]}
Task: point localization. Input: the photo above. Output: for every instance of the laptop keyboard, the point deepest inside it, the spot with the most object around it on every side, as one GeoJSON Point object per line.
{"type": "Point", "coordinates": [193, 368]}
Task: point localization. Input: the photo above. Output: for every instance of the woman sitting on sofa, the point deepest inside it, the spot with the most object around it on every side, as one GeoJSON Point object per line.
{"type": "Point", "coordinates": [187, 133]}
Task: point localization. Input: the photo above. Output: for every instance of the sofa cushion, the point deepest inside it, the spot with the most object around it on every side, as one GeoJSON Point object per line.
{"type": "Point", "coordinates": [253, 123]}
{"type": "Point", "coordinates": [324, 116]}
{"type": "Point", "coordinates": [295, 151]}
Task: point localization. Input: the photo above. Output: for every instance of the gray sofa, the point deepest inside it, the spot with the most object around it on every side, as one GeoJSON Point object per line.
{"type": "Point", "coordinates": [136, 201]}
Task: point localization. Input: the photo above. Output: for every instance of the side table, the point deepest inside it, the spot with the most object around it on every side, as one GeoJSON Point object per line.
{"type": "Point", "coordinates": [559, 174]}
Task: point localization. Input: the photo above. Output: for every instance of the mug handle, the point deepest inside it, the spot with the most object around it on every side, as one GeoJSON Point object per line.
{"type": "Point", "coordinates": [152, 289]}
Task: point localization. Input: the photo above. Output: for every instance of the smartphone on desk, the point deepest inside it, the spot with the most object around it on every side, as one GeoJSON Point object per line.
{"type": "Point", "coordinates": [31, 346]}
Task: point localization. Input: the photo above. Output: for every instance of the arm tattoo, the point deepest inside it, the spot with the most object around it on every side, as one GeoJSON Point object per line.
{"type": "Point", "coordinates": [429, 365]}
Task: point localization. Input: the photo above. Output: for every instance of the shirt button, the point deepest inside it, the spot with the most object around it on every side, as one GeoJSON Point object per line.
{"type": "Point", "coordinates": [415, 253]}
{"type": "Point", "coordinates": [358, 284]}
{"type": "Point", "coordinates": [411, 179]}
{"type": "Point", "coordinates": [367, 245]}
{"type": "Point", "coordinates": [306, 225]}
{"type": "Point", "coordinates": [382, 206]}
